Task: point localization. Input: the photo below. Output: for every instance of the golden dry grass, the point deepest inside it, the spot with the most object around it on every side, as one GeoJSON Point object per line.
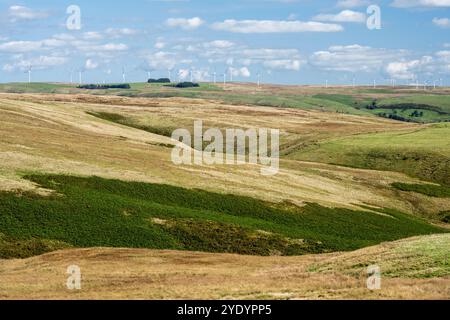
{"type": "Point", "coordinates": [54, 134]}
{"type": "Point", "coordinates": [150, 274]}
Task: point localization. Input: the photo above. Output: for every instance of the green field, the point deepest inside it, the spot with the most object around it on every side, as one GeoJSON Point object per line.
{"type": "Point", "coordinates": [348, 100]}
{"type": "Point", "coordinates": [423, 153]}
{"type": "Point", "coordinates": [92, 212]}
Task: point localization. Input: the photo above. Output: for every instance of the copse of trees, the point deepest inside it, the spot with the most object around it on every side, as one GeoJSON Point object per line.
{"type": "Point", "coordinates": [187, 85]}
{"type": "Point", "coordinates": [105, 86]}
{"type": "Point", "coordinates": [160, 80]}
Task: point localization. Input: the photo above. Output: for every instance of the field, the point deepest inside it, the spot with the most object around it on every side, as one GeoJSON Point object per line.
{"type": "Point", "coordinates": [89, 173]}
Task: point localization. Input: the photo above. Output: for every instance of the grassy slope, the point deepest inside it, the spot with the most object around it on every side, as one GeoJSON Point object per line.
{"type": "Point", "coordinates": [414, 268]}
{"type": "Point", "coordinates": [423, 153]}
{"type": "Point", "coordinates": [344, 100]}
{"type": "Point", "coordinates": [89, 212]}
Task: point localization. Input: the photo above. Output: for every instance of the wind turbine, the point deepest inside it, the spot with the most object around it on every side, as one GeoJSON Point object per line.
{"type": "Point", "coordinates": [191, 74]}
{"type": "Point", "coordinates": [124, 77]}
{"type": "Point", "coordinates": [169, 71]}
{"type": "Point", "coordinates": [71, 76]}
{"type": "Point", "coordinates": [80, 76]}
{"type": "Point", "coordinates": [225, 77]}
{"type": "Point", "coordinates": [374, 83]}
{"type": "Point", "coordinates": [214, 76]}
{"type": "Point", "coordinates": [258, 75]}
{"type": "Point", "coordinates": [29, 73]}
{"type": "Point", "coordinates": [231, 74]}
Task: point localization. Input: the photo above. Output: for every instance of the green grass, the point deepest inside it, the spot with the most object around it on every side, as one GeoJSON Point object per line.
{"type": "Point", "coordinates": [426, 189]}
{"type": "Point", "coordinates": [90, 212]}
{"type": "Point", "coordinates": [423, 153]}
{"type": "Point", "coordinates": [349, 102]}
{"type": "Point", "coordinates": [442, 102]}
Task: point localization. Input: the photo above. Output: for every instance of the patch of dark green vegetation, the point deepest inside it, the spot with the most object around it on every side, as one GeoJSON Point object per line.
{"type": "Point", "coordinates": [160, 80]}
{"type": "Point", "coordinates": [409, 112]}
{"type": "Point", "coordinates": [429, 166]}
{"type": "Point", "coordinates": [14, 248]}
{"type": "Point", "coordinates": [426, 189]}
{"type": "Point", "coordinates": [187, 85]}
{"type": "Point", "coordinates": [445, 216]}
{"type": "Point", "coordinates": [91, 212]}
{"type": "Point", "coordinates": [104, 86]}
{"type": "Point", "coordinates": [117, 118]}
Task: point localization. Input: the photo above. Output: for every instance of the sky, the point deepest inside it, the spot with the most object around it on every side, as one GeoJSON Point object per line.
{"type": "Point", "coordinates": [275, 41]}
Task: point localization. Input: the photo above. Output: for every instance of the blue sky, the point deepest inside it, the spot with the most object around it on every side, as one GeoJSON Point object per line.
{"type": "Point", "coordinates": [282, 41]}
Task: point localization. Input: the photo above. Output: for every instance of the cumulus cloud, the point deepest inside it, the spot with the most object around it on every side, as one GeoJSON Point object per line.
{"type": "Point", "coordinates": [274, 26]}
{"type": "Point", "coordinates": [161, 60]}
{"type": "Point", "coordinates": [186, 24]}
{"type": "Point", "coordinates": [420, 3]}
{"type": "Point", "coordinates": [221, 44]}
{"type": "Point", "coordinates": [343, 16]}
{"type": "Point", "coordinates": [121, 32]}
{"type": "Point", "coordinates": [37, 63]}
{"type": "Point", "coordinates": [442, 22]}
{"type": "Point", "coordinates": [354, 58]}
{"type": "Point", "coordinates": [16, 13]}
{"type": "Point", "coordinates": [286, 64]}
{"type": "Point", "coordinates": [240, 72]}
{"type": "Point", "coordinates": [91, 65]}
{"type": "Point", "coordinates": [405, 70]}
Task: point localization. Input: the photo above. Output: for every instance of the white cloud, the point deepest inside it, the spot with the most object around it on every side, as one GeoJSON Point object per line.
{"type": "Point", "coordinates": [96, 48]}
{"type": "Point", "coordinates": [161, 60]}
{"type": "Point", "coordinates": [160, 45]}
{"type": "Point", "coordinates": [24, 13]}
{"type": "Point", "coordinates": [406, 70]}
{"type": "Point", "coordinates": [343, 16]}
{"type": "Point", "coordinates": [442, 22]}
{"type": "Point", "coordinates": [91, 65]}
{"type": "Point", "coordinates": [21, 46]}
{"type": "Point", "coordinates": [355, 58]}
{"type": "Point", "coordinates": [121, 32]}
{"type": "Point", "coordinates": [240, 72]}
{"type": "Point", "coordinates": [92, 35]}
{"type": "Point", "coordinates": [284, 64]}
{"type": "Point", "coordinates": [220, 44]}
{"type": "Point", "coordinates": [37, 63]}
{"type": "Point", "coordinates": [183, 74]}
{"type": "Point", "coordinates": [186, 24]}
{"type": "Point", "coordinates": [420, 3]}
{"type": "Point", "coordinates": [352, 3]}
{"type": "Point", "coordinates": [274, 26]}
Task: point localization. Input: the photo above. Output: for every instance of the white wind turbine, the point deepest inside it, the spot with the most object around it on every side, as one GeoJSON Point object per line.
{"type": "Point", "coordinates": [80, 76]}
{"type": "Point", "coordinates": [169, 71]}
{"type": "Point", "coordinates": [71, 76]}
{"type": "Point", "coordinates": [124, 76]}
{"type": "Point", "coordinates": [30, 67]}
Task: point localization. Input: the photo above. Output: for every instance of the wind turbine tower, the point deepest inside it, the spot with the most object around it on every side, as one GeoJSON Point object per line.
{"type": "Point", "coordinates": [124, 77]}
{"type": "Point", "coordinates": [29, 73]}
